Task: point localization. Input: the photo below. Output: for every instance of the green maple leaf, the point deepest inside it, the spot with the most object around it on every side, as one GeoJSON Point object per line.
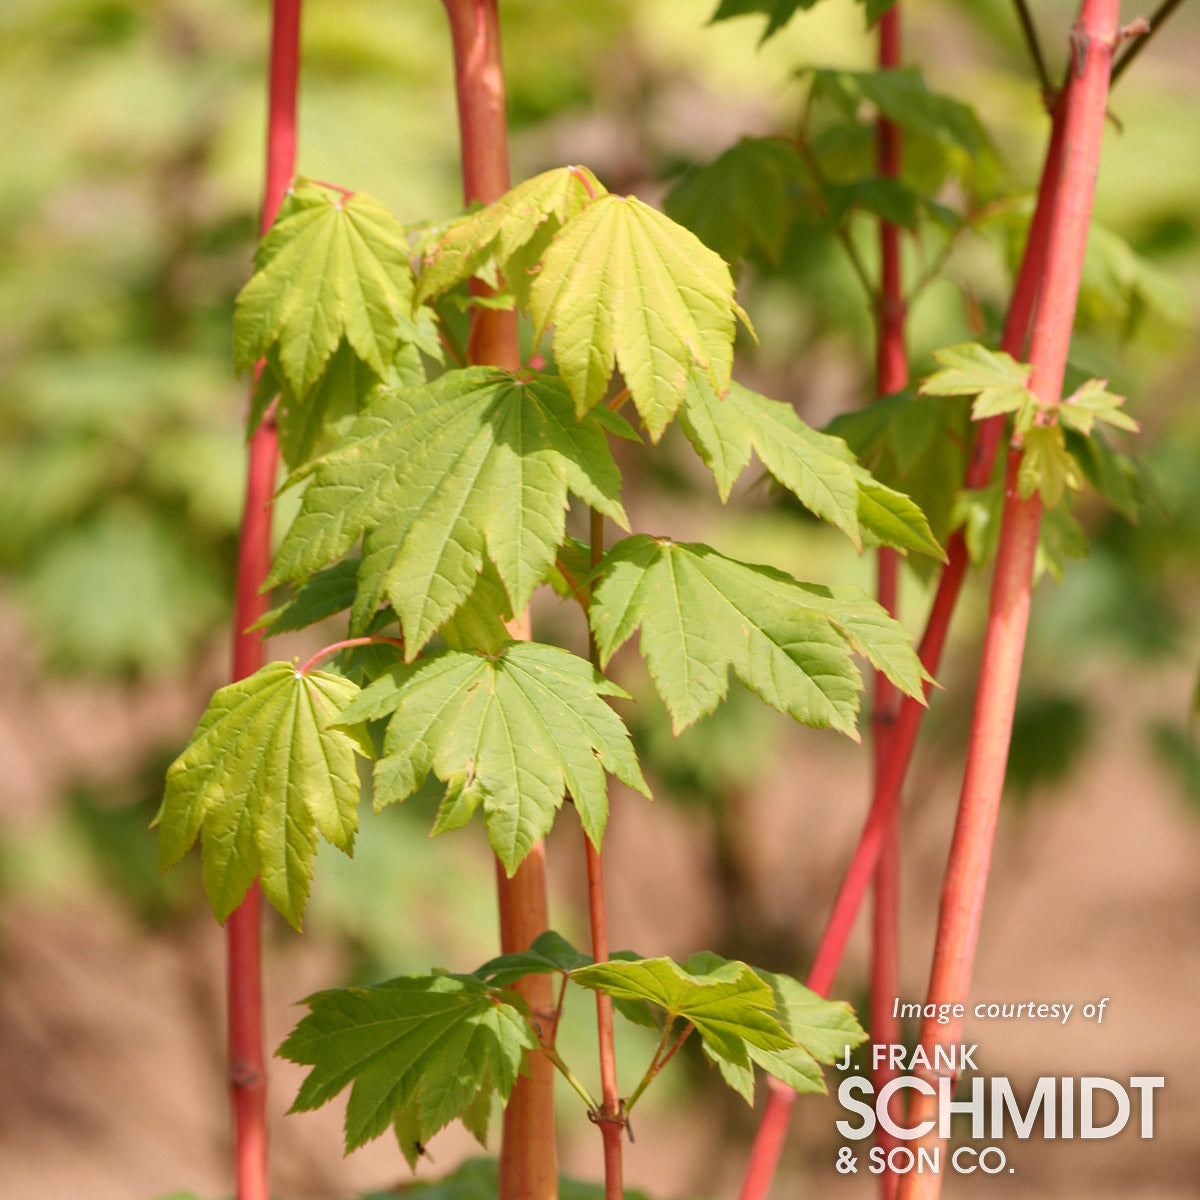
{"type": "Point", "coordinates": [549, 954]}
{"type": "Point", "coordinates": [777, 12]}
{"type": "Point", "coordinates": [745, 199]}
{"type": "Point", "coordinates": [624, 285]}
{"type": "Point", "coordinates": [820, 1031]}
{"type": "Point", "coordinates": [902, 95]}
{"type": "Point", "coordinates": [822, 1028]}
{"type": "Point", "coordinates": [1093, 402]}
{"type": "Point", "coordinates": [730, 1007]}
{"type": "Point", "coordinates": [997, 381]}
{"type": "Point", "coordinates": [1047, 466]}
{"type": "Point", "coordinates": [263, 774]}
{"type": "Point", "coordinates": [702, 614]}
{"type": "Point", "coordinates": [819, 470]}
{"type": "Point", "coordinates": [416, 1052]}
{"type": "Point", "coordinates": [914, 445]}
{"type": "Point", "coordinates": [326, 594]}
{"type": "Point", "coordinates": [331, 267]}
{"type": "Point", "coordinates": [511, 731]}
{"type": "Point", "coordinates": [479, 461]}
{"type": "Point", "coordinates": [512, 232]}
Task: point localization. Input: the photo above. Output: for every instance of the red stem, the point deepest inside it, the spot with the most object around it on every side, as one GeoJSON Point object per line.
{"type": "Point", "coordinates": [891, 375]}
{"type": "Point", "coordinates": [483, 130]}
{"type": "Point", "coordinates": [890, 777]}
{"type": "Point", "coordinates": [346, 644]}
{"type": "Point", "coordinates": [528, 1154]}
{"type": "Point", "coordinates": [247, 1065]}
{"type": "Point", "coordinates": [611, 1118]}
{"type": "Point", "coordinates": [965, 883]}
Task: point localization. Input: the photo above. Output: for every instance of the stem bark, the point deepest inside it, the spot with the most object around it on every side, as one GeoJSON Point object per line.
{"type": "Point", "coordinates": [1092, 41]}
{"type": "Point", "coordinates": [528, 1154]}
{"type": "Point", "coordinates": [891, 374]}
{"type": "Point", "coordinates": [247, 1067]}
{"type": "Point", "coordinates": [889, 780]}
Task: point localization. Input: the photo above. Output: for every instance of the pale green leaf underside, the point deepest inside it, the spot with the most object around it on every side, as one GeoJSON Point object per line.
{"type": "Point", "coordinates": [331, 266]}
{"type": "Point", "coordinates": [511, 731]}
{"type": "Point", "coordinates": [730, 1006]}
{"type": "Point", "coordinates": [625, 286]}
{"type": "Point", "coordinates": [702, 614]}
{"type": "Point", "coordinates": [416, 1052]}
{"type": "Point", "coordinates": [530, 213]}
{"type": "Point", "coordinates": [435, 477]}
{"type": "Point", "coordinates": [263, 774]}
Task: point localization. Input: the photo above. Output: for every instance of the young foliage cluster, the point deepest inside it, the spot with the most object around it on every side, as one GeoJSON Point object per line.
{"type": "Point", "coordinates": [436, 500]}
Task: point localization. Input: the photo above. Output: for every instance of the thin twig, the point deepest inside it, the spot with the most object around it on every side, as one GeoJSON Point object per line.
{"type": "Point", "coordinates": [1137, 45]}
{"type": "Point", "coordinates": [1025, 20]}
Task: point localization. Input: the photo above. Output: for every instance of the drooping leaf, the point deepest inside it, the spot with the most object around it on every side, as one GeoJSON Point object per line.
{"type": "Point", "coordinates": [263, 774]}
{"type": "Point", "coordinates": [332, 266]}
{"type": "Point", "coordinates": [519, 224]}
{"type": "Point", "coordinates": [824, 1028]}
{"type": "Point", "coordinates": [820, 1029]}
{"type": "Point", "coordinates": [914, 445]}
{"type": "Point", "coordinates": [725, 430]}
{"type": "Point", "coordinates": [730, 1006]}
{"type": "Point", "coordinates": [745, 199]}
{"type": "Point", "coordinates": [478, 462]}
{"type": "Point", "coordinates": [416, 1051]}
{"type": "Point", "coordinates": [890, 518]}
{"type": "Point", "coordinates": [780, 12]}
{"type": "Point", "coordinates": [777, 12]}
{"type": "Point", "coordinates": [818, 469]}
{"type": "Point", "coordinates": [702, 614]}
{"type": "Point", "coordinates": [902, 96]}
{"type": "Point", "coordinates": [625, 286]}
{"type": "Point", "coordinates": [511, 731]}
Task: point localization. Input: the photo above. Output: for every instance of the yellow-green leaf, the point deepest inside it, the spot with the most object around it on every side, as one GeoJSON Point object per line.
{"type": "Point", "coordinates": [625, 286]}
{"type": "Point", "coordinates": [263, 775]}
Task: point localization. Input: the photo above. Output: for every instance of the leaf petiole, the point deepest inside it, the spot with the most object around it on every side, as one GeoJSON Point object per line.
{"type": "Point", "coordinates": [345, 644]}
{"type": "Point", "coordinates": [659, 1061]}
{"type": "Point", "coordinates": [552, 1054]}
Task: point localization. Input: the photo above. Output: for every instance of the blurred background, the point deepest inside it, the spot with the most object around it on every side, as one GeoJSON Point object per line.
{"type": "Point", "coordinates": [129, 180]}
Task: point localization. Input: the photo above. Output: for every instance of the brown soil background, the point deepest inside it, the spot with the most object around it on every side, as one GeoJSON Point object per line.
{"type": "Point", "coordinates": [111, 1038]}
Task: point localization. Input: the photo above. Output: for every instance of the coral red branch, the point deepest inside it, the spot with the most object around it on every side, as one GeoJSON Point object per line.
{"type": "Point", "coordinates": [890, 776]}
{"type": "Point", "coordinates": [247, 1066]}
{"type": "Point", "coordinates": [965, 883]}
{"type": "Point", "coordinates": [611, 1117]}
{"type": "Point", "coordinates": [528, 1154]}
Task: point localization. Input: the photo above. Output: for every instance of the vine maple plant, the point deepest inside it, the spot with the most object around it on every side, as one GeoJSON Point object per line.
{"type": "Point", "coordinates": [442, 486]}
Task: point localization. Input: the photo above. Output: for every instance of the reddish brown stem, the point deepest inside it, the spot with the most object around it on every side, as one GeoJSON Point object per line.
{"type": "Point", "coordinates": [890, 776]}
{"type": "Point", "coordinates": [347, 644]}
{"type": "Point", "coordinates": [611, 1117]}
{"type": "Point", "coordinates": [961, 910]}
{"type": "Point", "coordinates": [528, 1154]}
{"type": "Point", "coordinates": [247, 1067]}
{"type": "Point", "coordinates": [891, 374]}
{"type": "Point", "coordinates": [483, 131]}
